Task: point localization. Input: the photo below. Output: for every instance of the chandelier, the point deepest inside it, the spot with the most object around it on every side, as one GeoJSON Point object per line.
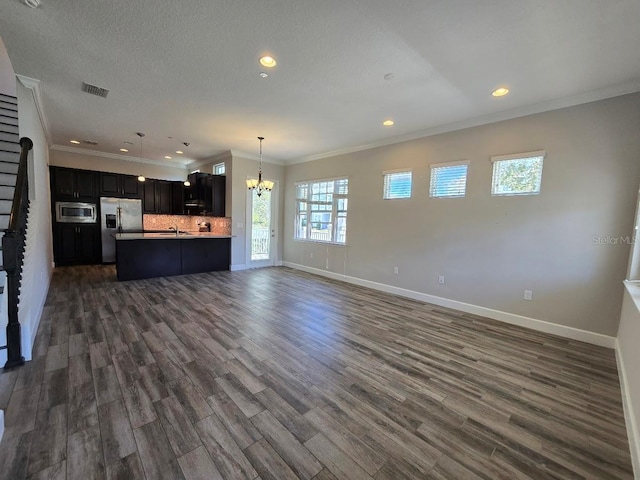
{"type": "Point", "coordinates": [259, 185]}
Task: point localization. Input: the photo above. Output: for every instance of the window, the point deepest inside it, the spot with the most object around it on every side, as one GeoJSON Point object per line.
{"type": "Point", "coordinates": [519, 174]}
{"type": "Point", "coordinates": [321, 210]}
{"type": "Point", "coordinates": [219, 169]}
{"type": "Point", "coordinates": [397, 184]}
{"type": "Point", "coordinates": [448, 179]}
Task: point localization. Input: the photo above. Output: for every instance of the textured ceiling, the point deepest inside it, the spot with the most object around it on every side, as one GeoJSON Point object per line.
{"type": "Point", "coordinates": [189, 69]}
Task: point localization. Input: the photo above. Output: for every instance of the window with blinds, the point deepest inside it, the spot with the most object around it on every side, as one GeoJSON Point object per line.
{"type": "Point", "coordinates": [397, 184]}
{"type": "Point", "coordinates": [519, 174]}
{"type": "Point", "coordinates": [448, 180]}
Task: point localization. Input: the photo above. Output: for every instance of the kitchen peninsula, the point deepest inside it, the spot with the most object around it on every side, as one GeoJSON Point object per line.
{"type": "Point", "coordinates": [164, 254]}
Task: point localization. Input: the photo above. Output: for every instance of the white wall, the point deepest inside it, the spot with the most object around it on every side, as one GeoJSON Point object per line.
{"type": "Point", "coordinates": [85, 161]}
{"type": "Point", "coordinates": [7, 75]}
{"type": "Point", "coordinates": [490, 249]}
{"type": "Point", "coordinates": [39, 254]}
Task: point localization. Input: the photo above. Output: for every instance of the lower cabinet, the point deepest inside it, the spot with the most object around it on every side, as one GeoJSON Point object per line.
{"type": "Point", "coordinates": [77, 245]}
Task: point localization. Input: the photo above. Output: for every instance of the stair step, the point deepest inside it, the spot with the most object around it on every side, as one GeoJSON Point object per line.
{"type": "Point", "coordinates": [12, 107]}
{"type": "Point", "coordinates": [9, 128]}
{"type": "Point", "coordinates": [5, 206]}
{"type": "Point", "coordinates": [8, 136]}
{"type": "Point", "coordinates": [9, 157]}
{"type": "Point", "coordinates": [9, 167]}
{"type": "Point", "coordinates": [8, 180]}
{"type": "Point", "coordinates": [8, 98]}
{"type": "Point", "coordinates": [6, 193]}
{"type": "Point", "coordinates": [8, 117]}
{"type": "Point", "coordinates": [9, 146]}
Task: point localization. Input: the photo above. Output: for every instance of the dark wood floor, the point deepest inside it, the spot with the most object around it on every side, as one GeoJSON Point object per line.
{"type": "Point", "coordinates": [276, 374]}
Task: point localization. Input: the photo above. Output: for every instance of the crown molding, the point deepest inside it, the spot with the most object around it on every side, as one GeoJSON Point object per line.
{"type": "Point", "coordinates": [215, 159]}
{"type": "Point", "coordinates": [33, 84]}
{"type": "Point", "coordinates": [115, 156]}
{"type": "Point", "coordinates": [556, 104]}
{"type": "Point", "coordinates": [252, 156]}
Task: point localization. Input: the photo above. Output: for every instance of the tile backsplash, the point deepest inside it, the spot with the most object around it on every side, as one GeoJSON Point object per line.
{"type": "Point", "coordinates": [188, 223]}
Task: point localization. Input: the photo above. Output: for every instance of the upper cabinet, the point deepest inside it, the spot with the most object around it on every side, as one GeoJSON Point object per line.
{"type": "Point", "coordinates": [73, 184]}
{"type": "Point", "coordinates": [206, 195]}
{"type": "Point", "coordinates": [163, 197]}
{"type": "Point", "coordinates": [117, 185]}
{"type": "Point", "coordinates": [149, 197]}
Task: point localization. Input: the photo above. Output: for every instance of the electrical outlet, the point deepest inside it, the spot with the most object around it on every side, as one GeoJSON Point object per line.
{"type": "Point", "coordinates": [528, 294]}
{"type": "Point", "coordinates": [311, 255]}
{"type": "Point", "coordinates": [395, 270]}
{"type": "Point", "coordinates": [326, 265]}
{"type": "Point", "coordinates": [441, 279]}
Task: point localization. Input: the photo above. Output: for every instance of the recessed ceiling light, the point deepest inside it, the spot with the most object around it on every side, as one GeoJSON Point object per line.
{"type": "Point", "coordinates": [167, 157]}
{"type": "Point", "coordinates": [75, 142]}
{"type": "Point", "coordinates": [128, 143]}
{"type": "Point", "coordinates": [267, 61]}
{"type": "Point", "coordinates": [264, 74]}
{"type": "Point", "coordinates": [179, 152]}
{"type": "Point", "coordinates": [387, 123]}
{"type": "Point", "coordinates": [124, 150]}
{"type": "Point", "coordinates": [500, 92]}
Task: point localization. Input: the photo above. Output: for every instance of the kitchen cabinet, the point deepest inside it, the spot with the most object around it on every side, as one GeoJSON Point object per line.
{"type": "Point", "coordinates": [163, 197]}
{"type": "Point", "coordinates": [157, 197]}
{"type": "Point", "coordinates": [149, 196]}
{"type": "Point", "coordinates": [177, 198]}
{"type": "Point", "coordinates": [206, 195]}
{"type": "Point", "coordinates": [117, 185]}
{"type": "Point", "coordinates": [72, 184]}
{"type": "Point", "coordinates": [76, 244]}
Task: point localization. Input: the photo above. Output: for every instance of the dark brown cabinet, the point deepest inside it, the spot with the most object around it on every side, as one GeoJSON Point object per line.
{"type": "Point", "coordinates": [76, 244]}
{"type": "Point", "coordinates": [149, 197]}
{"type": "Point", "coordinates": [206, 195]}
{"type": "Point", "coordinates": [116, 185]}
{"type": "Point", "coordinates": [70, 184]}
{"type": "Point", "coordinates": [177, 198]}
{"type": "Point", "coordinates": [163, 197]}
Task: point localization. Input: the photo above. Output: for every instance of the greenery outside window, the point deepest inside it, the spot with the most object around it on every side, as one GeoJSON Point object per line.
{"type": "Point", "coordinates": [519, 174]}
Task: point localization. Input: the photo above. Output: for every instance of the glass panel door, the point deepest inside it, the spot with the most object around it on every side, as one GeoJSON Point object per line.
{"type": "Point", "coordinates": [262, 232]}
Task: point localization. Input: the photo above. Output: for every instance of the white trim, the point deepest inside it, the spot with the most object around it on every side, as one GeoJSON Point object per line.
{"type": "Point", "coordinates": [449, 164]}
{"type": "Point", "coordinates": [511, 318]}
{"type": "Point", "coordinates": [587, 97]}
{"type": "Point", "coordinates": [1, 424]}
{"type": "Point", "coordinates": [518, 156]}
{"type": "Point", "coordinates": [237, 267]}
{"type": "Point", "coordinates": [27, 349]}
{"type": "Point", "coordinates": [629, 414]}
{"type": "Point", "coordinates": [33, 84]}
{"type": "Point", "coordinates": [115, 156]}
{"type": "Point", "coordinates": [397, 170]}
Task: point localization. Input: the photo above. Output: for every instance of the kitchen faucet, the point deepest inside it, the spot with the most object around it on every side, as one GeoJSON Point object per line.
{"type": "Point", "coordinates": [176, 229]}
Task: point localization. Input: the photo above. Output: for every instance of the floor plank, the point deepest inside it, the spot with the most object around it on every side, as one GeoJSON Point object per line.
{"type": "Point", "coordinates": [231, 375]}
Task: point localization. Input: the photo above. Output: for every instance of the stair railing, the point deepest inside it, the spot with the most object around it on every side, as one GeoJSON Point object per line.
{"type": "Point", "coordinates": [13, 248]}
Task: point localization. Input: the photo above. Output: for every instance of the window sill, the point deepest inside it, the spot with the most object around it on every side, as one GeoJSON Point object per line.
{"type": "Point", "coordinates": [320, 242]}
{"type": "Point", "coordinates": [633, 287]}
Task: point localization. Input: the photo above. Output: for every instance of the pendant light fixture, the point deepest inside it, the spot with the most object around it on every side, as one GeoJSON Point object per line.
{"type": "Point", "coordinates": [258, 184]}
{"type": "Point", "coordinates": [140, 134]}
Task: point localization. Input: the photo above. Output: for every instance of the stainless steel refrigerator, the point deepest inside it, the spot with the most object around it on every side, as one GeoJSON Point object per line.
{"type": "Point", "coordinates": [118, 215]}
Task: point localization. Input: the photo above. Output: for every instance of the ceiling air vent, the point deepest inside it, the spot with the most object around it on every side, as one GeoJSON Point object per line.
{"type": "Point", "coordinates": [93, 90]}
{"type": "Point", "coordinates": [89, 142]}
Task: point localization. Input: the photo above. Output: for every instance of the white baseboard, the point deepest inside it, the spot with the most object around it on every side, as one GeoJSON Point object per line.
{"type": "Point", "coordinates": [1, 424]}
{"type": "Point", "coordinates": [629, 414]}
{"type": "Point", "coordinates": [512, 318]}
{"type": "Point", "coordinates": [235, 268]}
{"type": "Point", "coordinates": [30, 337]}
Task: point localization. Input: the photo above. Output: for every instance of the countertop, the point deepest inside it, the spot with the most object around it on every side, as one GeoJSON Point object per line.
{"type": "Point", "coordinates": [166, 235]}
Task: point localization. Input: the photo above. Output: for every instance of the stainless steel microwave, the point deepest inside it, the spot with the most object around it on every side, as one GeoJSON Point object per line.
{"type": "Point", "coordinates": [76, 212]}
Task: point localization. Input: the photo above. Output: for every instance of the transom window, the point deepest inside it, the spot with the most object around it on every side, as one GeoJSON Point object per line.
{"type": "Point", "coordinates": [519, 174]}
{"type": "Point", "coordinates": [448, 179]}
{"type": "Point", "coordinates": [219, 169]}
{"type": "Point", "coordinates": [397, 184]}
{"type": "Point", "coordinates": [321, 210]}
